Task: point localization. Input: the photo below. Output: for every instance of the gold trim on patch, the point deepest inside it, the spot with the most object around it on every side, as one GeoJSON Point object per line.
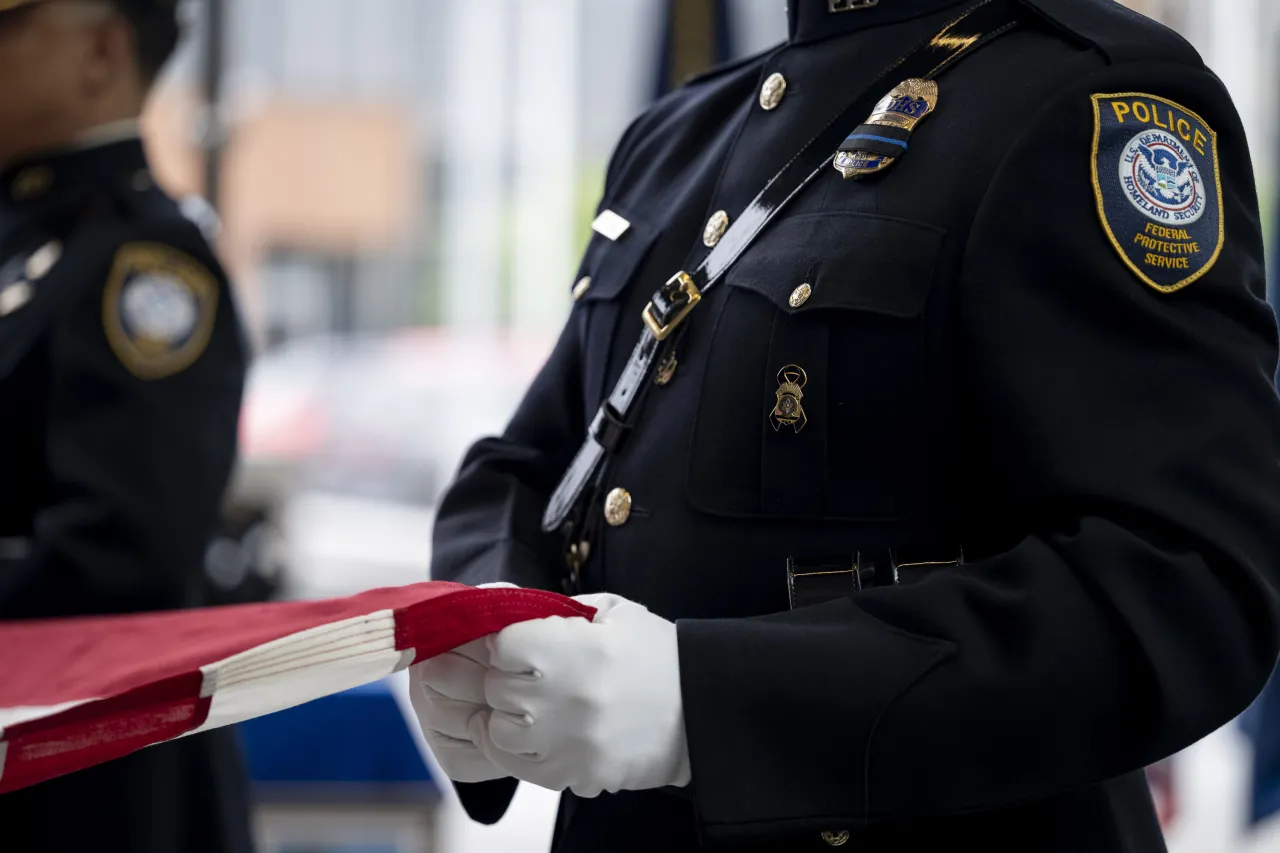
{"type": "Point", "coordinates": [1102, 207]}
{"type": "Point", "coordinates": [158, 259]}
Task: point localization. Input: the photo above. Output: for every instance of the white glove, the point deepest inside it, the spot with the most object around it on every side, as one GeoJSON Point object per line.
{"type": "Point", "coordinates": [447, 692]}
{"type": "Point", "coordinates": [587, 706]}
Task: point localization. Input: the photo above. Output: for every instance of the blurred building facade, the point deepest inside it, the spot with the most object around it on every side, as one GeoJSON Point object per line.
{"type": "Point", "coordinates": [435, 162]}
{"type": "Point", "coordinates": [413, 162]}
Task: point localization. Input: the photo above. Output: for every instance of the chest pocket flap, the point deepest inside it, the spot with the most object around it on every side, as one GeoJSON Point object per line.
{"type": "Point", "coordinates": [611, 263]}
{"type": "Point", "coordinates": [844, 298]}
{"type": "Point", "coordinates": [849, 261]}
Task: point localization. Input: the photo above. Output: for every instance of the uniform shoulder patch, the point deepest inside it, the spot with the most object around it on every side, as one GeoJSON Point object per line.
{"type": "Point", "coordinates": [159, 309]}
{"type": "Point", "coordinates": [1158, 187]}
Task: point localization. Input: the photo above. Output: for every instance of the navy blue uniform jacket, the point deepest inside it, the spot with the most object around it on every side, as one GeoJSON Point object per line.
{"type": "Point", "coordinates": [122, 364]}
{"type": "Point", "coordinates": [994, 362]}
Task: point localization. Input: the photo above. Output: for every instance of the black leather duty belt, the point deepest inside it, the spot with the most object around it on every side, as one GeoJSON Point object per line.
{"type": "Point", "coordinates": [819, 580]}
{"type": "Point", "coordinates": [570, 508]}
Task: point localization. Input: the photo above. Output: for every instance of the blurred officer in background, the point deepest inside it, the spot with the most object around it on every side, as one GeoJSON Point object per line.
{"type": "Point", "coordinates": [922, 518]}
{"type": "Point", "coordinates": [121, 371]}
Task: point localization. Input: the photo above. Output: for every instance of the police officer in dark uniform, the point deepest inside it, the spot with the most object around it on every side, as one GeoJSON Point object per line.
{"type": "Point", "coordinates": [935, 493]}
{"type": "Point", "coordinates": [121, 370]}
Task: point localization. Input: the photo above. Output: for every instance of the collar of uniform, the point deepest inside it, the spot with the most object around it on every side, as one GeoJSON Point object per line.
{"type": "Point", "coordinates": [810, 20]}
{"type": "Point", "coordinates": [68, 174]}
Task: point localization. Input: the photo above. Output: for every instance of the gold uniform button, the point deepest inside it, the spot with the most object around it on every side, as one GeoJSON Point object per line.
{"type": "Point", "coordinates": [32, 183]}
{"type": "Point", "coordinates": [772, 91]}
{"type": "Point", "coordinates": [836, 839]}
{"type": "Point", "coordinates": [716, 227]}
{"type": "Point", "coordinates": [617, 507]}
{"type": "Point", "coordinates": [800, 295]}
{"type": "Point", "coordinates": [580, 289]}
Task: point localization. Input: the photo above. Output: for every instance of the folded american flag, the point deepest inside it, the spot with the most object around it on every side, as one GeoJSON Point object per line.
{"type": "Point", "coordinates": [78, 692]}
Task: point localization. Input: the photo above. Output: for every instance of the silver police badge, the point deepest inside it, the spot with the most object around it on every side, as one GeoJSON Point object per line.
{"type": "Point", "coordinates": [878, 143]}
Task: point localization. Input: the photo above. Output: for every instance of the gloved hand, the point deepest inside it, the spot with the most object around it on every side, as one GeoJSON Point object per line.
{"type": "Point", "coordinates": [447, 692]}
{"type": "Point", "coordinates": [587, 706]}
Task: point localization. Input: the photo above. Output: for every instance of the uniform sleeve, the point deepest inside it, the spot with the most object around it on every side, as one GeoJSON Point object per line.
{"type": "Point", "coordinates": [146, 372]}
{"type": "Point", "coordinates": [1135, 438]}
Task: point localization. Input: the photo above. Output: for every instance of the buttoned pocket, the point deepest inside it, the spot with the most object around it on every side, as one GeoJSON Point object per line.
{"type": "Point", "coordinates": [611, 262]}
{"type": "Point", "coordinates": [608, 267]}
{"type": "Point", "coordinates": [813, 399]}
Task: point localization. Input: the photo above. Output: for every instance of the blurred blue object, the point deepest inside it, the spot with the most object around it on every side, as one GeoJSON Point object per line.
{"type": "Point", "coordinates": [1261, 723]}
{"type": "Point", "coordinates": [358, 738]}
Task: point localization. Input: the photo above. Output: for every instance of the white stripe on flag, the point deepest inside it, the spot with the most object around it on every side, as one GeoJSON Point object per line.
{"type": "Point", "coordinates": [283, 674]}
{"type": "Point", "coordinates": [14, 716]}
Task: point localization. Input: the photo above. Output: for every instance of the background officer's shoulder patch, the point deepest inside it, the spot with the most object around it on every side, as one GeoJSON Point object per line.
{"type": "Point", "coordinates": [1158, 187]}
{"type": "Point", "coordinates": [159, 309]}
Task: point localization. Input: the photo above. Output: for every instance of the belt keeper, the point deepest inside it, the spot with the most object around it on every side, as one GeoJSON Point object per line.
{"type": "Point", "coordinates": [823, 580]}
{"type": "Point", "coordinates": [608, 430]}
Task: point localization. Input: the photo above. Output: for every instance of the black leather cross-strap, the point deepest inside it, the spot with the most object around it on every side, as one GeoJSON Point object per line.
{"type": "Point", "coordinates": [670, 306]}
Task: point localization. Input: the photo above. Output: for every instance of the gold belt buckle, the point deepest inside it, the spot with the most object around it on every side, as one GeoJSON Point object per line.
{"type": "Point", "coordinates": [686, 286]}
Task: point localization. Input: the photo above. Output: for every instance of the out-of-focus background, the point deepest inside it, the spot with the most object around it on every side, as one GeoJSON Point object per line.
{"type": "Point", "coordinates": [404, 187]}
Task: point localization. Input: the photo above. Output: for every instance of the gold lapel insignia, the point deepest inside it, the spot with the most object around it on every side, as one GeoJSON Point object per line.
{"type": "Point", "coordinates": [879, 142]}
{"type": "Point", "coordinates": [788, 411]}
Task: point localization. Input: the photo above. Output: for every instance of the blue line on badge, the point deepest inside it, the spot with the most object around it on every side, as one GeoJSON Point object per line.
{"type": "Point", "coordinates": [897, 142]}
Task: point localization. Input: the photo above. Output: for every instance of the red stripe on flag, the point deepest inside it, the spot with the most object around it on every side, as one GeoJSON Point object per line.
{"type": "Point", "coordinates": [140, 676]}
{"type": "Point", "coordinates": [101, 731]}
{"type": "Point", "coordinates": [432, 627]}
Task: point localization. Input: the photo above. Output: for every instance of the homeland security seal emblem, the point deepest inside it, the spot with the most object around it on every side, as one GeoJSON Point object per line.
{"type": "Point", "coordinates": [1160, 178]}
{"type": "Point", "coordinates": [1159, 193]}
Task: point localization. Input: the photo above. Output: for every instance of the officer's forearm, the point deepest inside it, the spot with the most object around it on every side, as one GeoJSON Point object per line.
{"type": "Point", "coordinates": [916, 702]}
{"type": "Point", "coordinates": [130, 534]}
{"type": "Point", "coordinates": [488, 528]}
